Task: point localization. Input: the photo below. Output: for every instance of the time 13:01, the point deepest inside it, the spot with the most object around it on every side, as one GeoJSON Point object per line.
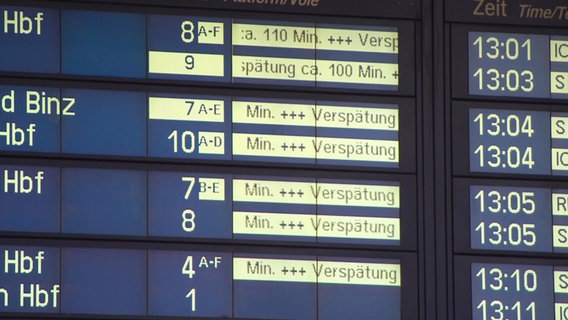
{"type": "Point", "coordinates": [509, 49]}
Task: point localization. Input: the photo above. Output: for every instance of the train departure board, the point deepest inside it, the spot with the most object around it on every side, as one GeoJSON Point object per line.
{"type": "Point", "coordinates": [204, 48]}
{"type": "Point", "coordinates": [506, 115]}
{"type": "Point", "coordinates": [512, 216]}
{"type": "Point", "coordinates": [205, 205]}
{"type": "Point", "coordinates": [212, 159]}
{"type": "Point", "coordinates": [515, 64]}
{"type": "Point", "coordinates": [516, 289]}
{"type": "Point", "coordinates": [145, 283]}
{"type": "Point", "coordinates": [185, 126]}
{"type": "Point", "coordinates": [505, 138]}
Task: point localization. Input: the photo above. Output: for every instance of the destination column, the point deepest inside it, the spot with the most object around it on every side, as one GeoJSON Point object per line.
{"type": "Point", "coordinates": [30, 281]}
{"type": "Point", "coordinates": [31, 118]}
{"type": "Point", "coordinates": [30, 199]}
{"type": "Point", "coordinates": [31, 40]}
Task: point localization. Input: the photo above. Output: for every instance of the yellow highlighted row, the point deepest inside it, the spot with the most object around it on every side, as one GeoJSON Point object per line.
{"type": "Point", "coordinates": [312, 193]}
{"type": "Point", "coordinates": [287, 69]}
{"type": "Point", "coordinates": [306, 225]}
{"type": "Point", "coordinates": [295, 69]}
{"type": "Point", "coordinates": [314, 271]}
{"type": "Point", "coordinates": [298, 37]}
{"type": "Point", "coordinates": [306, 147]}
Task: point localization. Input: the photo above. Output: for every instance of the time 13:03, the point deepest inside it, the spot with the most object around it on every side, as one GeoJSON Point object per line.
{"type": "Point", "coordinates": [510, 80]}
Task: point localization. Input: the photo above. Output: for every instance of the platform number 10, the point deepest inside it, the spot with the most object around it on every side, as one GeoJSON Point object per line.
{"type": "Point", "coordinates": [184, 141]}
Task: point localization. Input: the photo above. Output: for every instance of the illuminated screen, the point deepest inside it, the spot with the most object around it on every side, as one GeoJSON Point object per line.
{"type": "Point", "coordinates": [509, 141]}
{"type": "Point", "coordinates": [511, 216]}
{"type": "Point", "coordinates": [514, 64]}
{"type": "Point", "coordinates": [518, 65]}
{"type": "Point", "coordinates": [512, 288]}
{"type": "Point", "coordinates": [188, 160]}
{"type": "Point", "coordinates": [151, 282]}
{"type": "Point", "coordinates": [201, 127]}
{"type": "Point", "coordinates": [195, 48]}
{"type": "Point", "coordinates": [503, 138]}
{"type": "Point", "coordinates": [194, 205]}
{"type": "Point", "coordinates": [508, 207]}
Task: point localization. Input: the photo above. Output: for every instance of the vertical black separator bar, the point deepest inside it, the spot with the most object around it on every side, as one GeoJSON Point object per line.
{"type": "Point", "coordinates": [445, 197]}
{"type": "Point", "coordinates": [438, 229]}
{"type": "Point", "coordinates": [429, 75]}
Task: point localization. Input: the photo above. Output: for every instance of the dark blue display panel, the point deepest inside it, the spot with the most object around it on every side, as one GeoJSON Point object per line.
{"type": "Point", "coordinates": [510, 139]}
{"type": "Point", "coordinates": [103, 44]}
{"type": "Point", "coordinates": [105, 122]}
{"type": "Point", "coordinates": [149, 283]}
{"type": "Point", "coordinates": [98, 201]}
{"type": "Point", "coordinates": [30, 279]}
{"type": "Point", "coordinates": [510, 216]}
{"type": "Point", "coordinates": [517, 291]}
{"type": "Point", "coordinates": [506, 64]}
{"type": "Point", "coordinates": [93, 122]}
{"type": "Point", "coordinates": [508, 200]}
{"type": "Point", "coordinates": [107, 281]}
{"type": "Point", "coordinates": [516, 223]}
{"type": "Point", "coordinates": [33, 37]}
{"type": "Point", "coordinates": [197, 205]}
{"type": "Point", "coordinates": [213, 49]}
{"type": "Point", "coordinates": [20, 184]}
{"type": "Point", "coordinates": [516, 63]}
{"type": "Point", "coordinates": [32, 118]}
{"type": "Point", "coordinates": [125, 136]}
